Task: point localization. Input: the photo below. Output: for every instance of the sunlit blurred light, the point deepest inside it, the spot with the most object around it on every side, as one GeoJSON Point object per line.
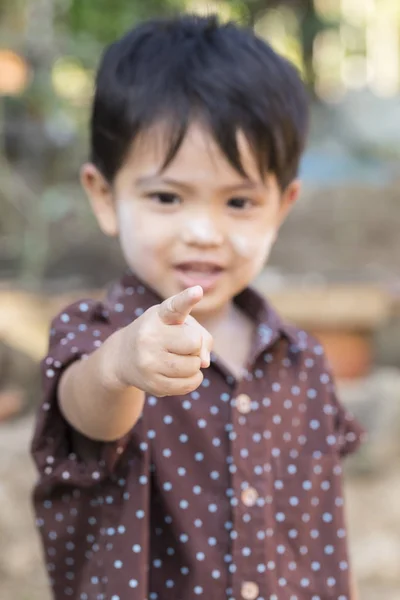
{"type": "Point", "coordinates": [383, 47]}
{"type": "Point", "coordinates": [224, 10]}
{"type": "Point", "coordinates": [71, 80]}
{"type": "Point", "coordinates": [327, 9]}
{"type": "Point", "coordinates": [328, 50]}
{"type": "Point", "coordinates": [331, 90]}
{"type": "Point", "coordinates": [352, 38]}
{"type": "Point", "coordinates": [14, 73]}
{"type": "Point", "coordinates": [280, 28]}
{"type": "Point", "coordinates": [327, 61]}
{"type": "Point", "coordinates": [358, 12]}
{"type": "Point", "coordinates": [355, 72]}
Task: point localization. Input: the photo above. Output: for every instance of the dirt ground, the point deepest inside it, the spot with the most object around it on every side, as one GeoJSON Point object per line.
{"type": "Point", "coordinates": [373, 515]}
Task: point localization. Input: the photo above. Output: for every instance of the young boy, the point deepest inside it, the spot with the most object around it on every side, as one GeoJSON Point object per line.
{"type": "Point", "coordinates": [167, 471]}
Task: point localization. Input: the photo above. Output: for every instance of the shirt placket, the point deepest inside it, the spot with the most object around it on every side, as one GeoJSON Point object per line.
{"type": "Point", "coordinates": [248, 579]}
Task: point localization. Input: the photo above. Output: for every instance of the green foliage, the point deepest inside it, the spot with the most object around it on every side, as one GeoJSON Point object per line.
{"type": "Point", "coordinates": [105, 23]}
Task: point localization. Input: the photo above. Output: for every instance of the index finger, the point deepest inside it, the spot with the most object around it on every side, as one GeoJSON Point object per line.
{"type": "Point", "coordinates": [176, 309]}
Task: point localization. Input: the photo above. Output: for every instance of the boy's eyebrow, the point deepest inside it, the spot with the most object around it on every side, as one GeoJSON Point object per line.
{"type": "Point", "coordinates": [150, 180]}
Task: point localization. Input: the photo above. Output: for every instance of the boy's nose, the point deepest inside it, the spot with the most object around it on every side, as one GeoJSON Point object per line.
{"type": "Point", "coordinates": [202, 232]}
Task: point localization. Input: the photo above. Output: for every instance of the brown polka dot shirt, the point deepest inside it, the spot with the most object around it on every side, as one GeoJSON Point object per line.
{"type": "Point", "coordinates": [232, 492]}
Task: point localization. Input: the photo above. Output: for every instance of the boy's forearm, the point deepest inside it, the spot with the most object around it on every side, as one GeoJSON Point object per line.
{"type": "Point", "coordinates": [93, 402]}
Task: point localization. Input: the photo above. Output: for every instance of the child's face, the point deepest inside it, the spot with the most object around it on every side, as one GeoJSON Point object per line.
{"type": "Point", "coordinates": [197, 222]}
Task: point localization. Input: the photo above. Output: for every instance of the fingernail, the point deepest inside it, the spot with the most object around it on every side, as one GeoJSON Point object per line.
{"type": "Point", "coordinates": [205, 361]}
{"type": "Point", "coordinates": [195, 291]}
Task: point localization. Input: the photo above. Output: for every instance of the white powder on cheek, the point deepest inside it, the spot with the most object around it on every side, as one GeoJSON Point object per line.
{"type": "Point", "coordinates": [137, 240]}
{"type": "Point", "coordinates": [242, 245]}
{"type": "Point", "coordinates": [125, 224]}
{"type": "Point", "coordinates": [251, 247]}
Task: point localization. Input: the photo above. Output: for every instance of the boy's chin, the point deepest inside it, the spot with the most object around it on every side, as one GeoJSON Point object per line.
{"type": "Point", "coordinates": [212, 304]}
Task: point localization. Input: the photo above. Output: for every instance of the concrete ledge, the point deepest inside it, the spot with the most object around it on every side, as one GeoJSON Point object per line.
{"type": "Point", "coordinates": [346, 307]}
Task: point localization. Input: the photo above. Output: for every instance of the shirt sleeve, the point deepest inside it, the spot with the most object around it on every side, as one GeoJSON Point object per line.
{"type": "Point", "coordinates": [348, 432]}
{"type": "Point", "coordinates": [75, 333]}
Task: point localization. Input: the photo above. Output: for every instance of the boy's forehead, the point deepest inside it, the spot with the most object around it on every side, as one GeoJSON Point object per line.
{"type": "Point", "coordinates": [199, 155]}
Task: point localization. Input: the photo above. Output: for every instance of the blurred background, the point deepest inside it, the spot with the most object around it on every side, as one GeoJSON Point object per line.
{"type": "Point", "coordinates": [334, 271]}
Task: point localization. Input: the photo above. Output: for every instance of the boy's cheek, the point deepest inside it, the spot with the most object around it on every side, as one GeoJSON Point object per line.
{"type": "Point", "coordinates": [253, 246]}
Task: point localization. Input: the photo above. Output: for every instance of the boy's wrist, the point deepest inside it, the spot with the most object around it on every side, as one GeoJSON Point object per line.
{"type": "Point", "coordinates": [110, 364]}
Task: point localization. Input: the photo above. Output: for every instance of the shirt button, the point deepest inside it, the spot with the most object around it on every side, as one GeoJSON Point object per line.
{"type": "Point", "coordinates": [243, 404]}
{"type": "Point", "coordinates": [249, 496]}
{"type": "Point", "coordinates": [250, 590]}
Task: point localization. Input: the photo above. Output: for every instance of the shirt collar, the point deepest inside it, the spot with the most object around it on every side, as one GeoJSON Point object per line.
{"type": "Point", "coordinates": [270, 326]}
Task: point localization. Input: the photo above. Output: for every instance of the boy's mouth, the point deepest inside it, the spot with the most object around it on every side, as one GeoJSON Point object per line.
{"type": "Point", "coordinates": [201, 273]}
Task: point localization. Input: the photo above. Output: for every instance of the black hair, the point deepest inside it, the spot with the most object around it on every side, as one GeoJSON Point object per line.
{"type": "Point", "coordinates": [179, 69]}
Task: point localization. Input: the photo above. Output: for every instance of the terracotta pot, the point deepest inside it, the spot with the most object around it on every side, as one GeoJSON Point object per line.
{"type": "Point", "coordinates": [349, 353]}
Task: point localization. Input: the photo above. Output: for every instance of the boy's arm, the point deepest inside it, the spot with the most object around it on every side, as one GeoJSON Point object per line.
{"type": "Point", "coordinates": [92, 399]}
{"type": "Point", "coordinates": [160, 353]}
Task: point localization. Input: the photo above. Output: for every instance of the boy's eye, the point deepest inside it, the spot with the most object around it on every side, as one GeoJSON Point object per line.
{"type": "Point", "coordinates": [166, 198]}
{"type": "Point", "coordinates": [239, 203]}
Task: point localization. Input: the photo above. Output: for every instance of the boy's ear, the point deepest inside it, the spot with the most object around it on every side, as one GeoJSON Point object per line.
{"type": "Point", "coordinates": [101, 198]}
{"type": "Point", "coordinates": [289, 198]}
